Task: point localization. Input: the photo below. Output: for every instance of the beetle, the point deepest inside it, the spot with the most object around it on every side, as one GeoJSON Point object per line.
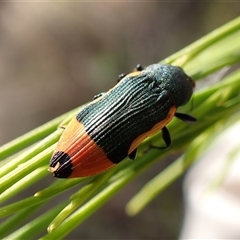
{"type": "Point", "coordinates": [112, 126]}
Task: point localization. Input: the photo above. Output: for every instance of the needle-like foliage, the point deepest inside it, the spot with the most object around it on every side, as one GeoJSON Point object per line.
{"type": "Point", "coordinates": [24, 161]}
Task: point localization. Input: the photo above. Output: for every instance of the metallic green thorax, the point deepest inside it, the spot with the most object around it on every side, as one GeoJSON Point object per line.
{"type": "Point", "coordinates": [133, 107]}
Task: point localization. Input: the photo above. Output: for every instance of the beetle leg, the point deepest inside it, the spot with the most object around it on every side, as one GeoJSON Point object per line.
{"type": "Point", "coordinates": [121, 76]}
{"type": "Point", "coordinates": [98, 95]}
{"type": "Point", "coordinates": [139, 67]}
{"type": "Point", "coordinates": [185, 117]}
{"type": "Point", "coordinates": [133, 154]}
{"type": "Point", "coordinates": [166, 138]}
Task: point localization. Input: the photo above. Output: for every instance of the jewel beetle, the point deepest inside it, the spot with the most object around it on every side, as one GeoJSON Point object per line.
{"type": "Point", "coordinates": [112, 126]}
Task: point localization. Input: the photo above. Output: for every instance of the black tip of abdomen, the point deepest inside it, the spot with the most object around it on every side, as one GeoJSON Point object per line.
{"type": "Point", "coordinates": [64, 170]}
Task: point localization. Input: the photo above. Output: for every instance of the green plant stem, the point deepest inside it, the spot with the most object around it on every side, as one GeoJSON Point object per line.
{"type": "Point", "coordinates": [23, 183]}
{"type": "Point", "coordinates": [188, 53]}
{"type": "Point", "coordinates": [14, 176]}
{"type": "Point", "coordinates": [14, 221]}
{"type": "Point", "coordinates": [36, 226]}
{"type": "Point", "coordinates": [33, 136]}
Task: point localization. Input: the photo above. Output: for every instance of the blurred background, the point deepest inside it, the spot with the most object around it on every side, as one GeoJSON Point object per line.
{"type": "Point", "coordinates": [57, 56]}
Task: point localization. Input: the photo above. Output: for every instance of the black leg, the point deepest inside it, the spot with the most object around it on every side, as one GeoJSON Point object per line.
{"type": "Point", "coordinates": [185, 117]}
{"type": "Point", "coordinates": [139, 67]}
{"type": "Point", "coordinates": [121, 76]}
{"type": "Point", "coordinates": [166, 138]}
{"type": "Point", "coordinates": [98, 95]}
{"type": "Point", "coordinates": [133, 154]}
